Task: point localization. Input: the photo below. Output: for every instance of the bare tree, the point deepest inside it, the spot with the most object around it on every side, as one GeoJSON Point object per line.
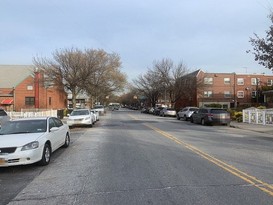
{"type": "Point", "coordinates": [67, 69]}
{"type": "Point", "coordinates": [263, 47]}
{"type": "Point", "coordinates": [107, 77]}
{"type": "Point", "coordinates": [149, 86]}
{"type": "Point", "coordinates": [169, 76]}
{"type": "Point", "coordinates": [90, 71]}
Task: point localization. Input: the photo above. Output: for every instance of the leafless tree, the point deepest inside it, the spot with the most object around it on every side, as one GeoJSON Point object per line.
{"type": "Point", "coordinates": [263, 47]}
{"type": "Point", "coordinates": [90, 71]}
{"type": "Point", "coordinates": [107, 77]}
{"type": "Point", "coordinates": [169, 76]}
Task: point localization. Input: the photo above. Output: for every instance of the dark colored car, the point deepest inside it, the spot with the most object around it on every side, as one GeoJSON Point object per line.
{"type": "Point", "coordinates": [157, 110]}
{"type": "Point", "coordinates": [211, 116]}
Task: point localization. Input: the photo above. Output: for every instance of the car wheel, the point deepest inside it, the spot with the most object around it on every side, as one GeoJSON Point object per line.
{"type": "Point", "coordinates": [185, 118]}
{"type": "Point", "coordinates": [67, 141]}
{"type": "Point", "coordinates": [191, 119]}
{"type": "Point", "coordinates": [46, 155]}
{"type": "Point", "coordinates": [203, 122]}
{"type": "Point", "coordinates": [177, 117]}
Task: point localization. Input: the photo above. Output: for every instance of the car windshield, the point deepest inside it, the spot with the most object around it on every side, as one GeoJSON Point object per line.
{"type": "Point", "coordinates": [79, 112]}
{"type": "Point", "coordinates": [24, 126]}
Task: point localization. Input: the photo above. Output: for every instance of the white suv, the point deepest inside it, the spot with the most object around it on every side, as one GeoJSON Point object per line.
{"type": "Point", "coordinates": [186, 113]}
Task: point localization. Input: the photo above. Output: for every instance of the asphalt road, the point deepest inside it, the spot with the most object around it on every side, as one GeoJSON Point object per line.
{"type": "Point", "coordinates": [133, 158]}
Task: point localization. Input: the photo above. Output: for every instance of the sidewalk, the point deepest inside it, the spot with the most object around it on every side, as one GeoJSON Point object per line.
{"type": "Point", "coordinates": [253, 127]}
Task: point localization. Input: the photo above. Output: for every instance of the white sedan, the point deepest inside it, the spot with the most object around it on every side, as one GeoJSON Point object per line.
{"type": "Point", "coordinates": [81, 117]}
{"type": "Point", "coordinates": [30, 140]}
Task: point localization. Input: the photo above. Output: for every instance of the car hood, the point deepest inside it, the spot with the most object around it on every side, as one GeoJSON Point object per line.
{"type": "Point", "coordinates": [18, 140]}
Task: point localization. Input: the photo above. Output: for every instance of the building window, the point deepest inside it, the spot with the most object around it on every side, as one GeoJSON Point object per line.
{"type": "Point", "coordinates": [29, 87]}
{"type": "Point", "coordinates": [207, 94]}
{"type": "Point", "coordinates": [226, 80]}
{"type": "Point", "coordinates": [208, 81]}
{"type": "Point", "coordinates": [255, 81]}
{"type": "Point", "coordinates": [29, 101]}
{"type": "Point", "coordinates": [49, 100]}
{"type": "Point", "coordinates": [253, 94]}
{"type": "Point", "coordinates": [227, 94]}
{"type": "Point", "coordinates": [240, 94]}
{"type": "Point", "coordinates": [269, 82]}
{"type": "Point", "coordinates": [240, 81]}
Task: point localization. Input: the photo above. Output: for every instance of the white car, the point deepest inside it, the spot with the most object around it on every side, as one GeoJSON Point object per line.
{"type": "Point", "coordinates": [81, 117]}
{"type": "Point", "coordinates": [30, 140]}
{"type": "Point", "coordinates": [186, 113]}
{"type": "Point", "coordinates": [96, 114]}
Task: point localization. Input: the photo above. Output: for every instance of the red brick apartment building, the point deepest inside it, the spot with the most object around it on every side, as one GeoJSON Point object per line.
{"type": "Point", "coordinates": [230, 89]}
{"type": "Point", "coordinates": [22, 88]}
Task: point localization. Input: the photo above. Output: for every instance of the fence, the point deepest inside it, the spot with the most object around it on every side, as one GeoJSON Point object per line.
{"type": "Point", "coordinates": [33, 113]}
{"type": "Point", "coordinates": [258, 116]}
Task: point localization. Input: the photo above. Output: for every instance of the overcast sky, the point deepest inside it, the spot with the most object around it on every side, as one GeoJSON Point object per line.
{"type": "Point", "coordinates": [212, 35]}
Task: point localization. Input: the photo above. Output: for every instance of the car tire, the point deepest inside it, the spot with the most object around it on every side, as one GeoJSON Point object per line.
{"type": "Point", "coordinates": [191, 119]}
{"type": "Point", "coordinates": [177, 117]}
{"type": "Point", "coordinates": [203, 122]}
{"type": "Point", "coordinates": [67, 141]}
{"type": "Point", "coordinates": [46, 155]}
{"type": "Point", "coordinates": [185, 118]}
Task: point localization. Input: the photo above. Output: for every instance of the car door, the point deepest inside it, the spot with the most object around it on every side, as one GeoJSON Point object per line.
{"type": "Point", "coordinates": [56, 135]}
{"type": "Point", "coordinates": [60, 132]}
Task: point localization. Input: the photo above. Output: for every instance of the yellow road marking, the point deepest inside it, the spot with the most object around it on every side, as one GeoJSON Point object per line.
{"type": "Point", "coordinates": [265, 187]}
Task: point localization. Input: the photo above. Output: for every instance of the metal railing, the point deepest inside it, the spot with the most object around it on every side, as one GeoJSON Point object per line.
{"type": "Point", "coordinates": [258, 116]}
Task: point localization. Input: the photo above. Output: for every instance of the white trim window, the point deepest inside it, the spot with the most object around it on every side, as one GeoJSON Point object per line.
{"type": "Point", "coordinates": [240, 94]}
{"type": "Point", "coordinates": [29, 87]}
{"type": "Point", "coordinates": [255, 81]}
{"type": "Point", "coordinates": [208, 81]}
{"type": "Point", "coordinates": [269, 82]}
{"type": "Point", "coordinates": [226, 80]}
{"type": "Point", "coordinates": [207, 94]}
{"type": "Point", "coordinates": [253, 94]}
{"type": "Point", "coordinates": [240, 81]}
{"type": "Point", "coordinates": [227, 94]}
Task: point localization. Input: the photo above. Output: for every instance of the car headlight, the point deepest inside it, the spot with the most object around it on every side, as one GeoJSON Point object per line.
{"type": "Point", "coordinates": [31, 145]}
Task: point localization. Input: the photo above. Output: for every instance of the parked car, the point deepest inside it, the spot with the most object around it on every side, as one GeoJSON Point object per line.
{"type": "Point", "coordinates": [30, 140]}
{"type": "Point", "coordinates": [96, 114]}
{"type": "Point", "coordinates": [81, 117]}
{"type": "Point", "coordinates": [185, 113]}
{"type": "Point", "coordinates": [168, 112]}
{"type": "Point", "coordinates": [211, 116]}
{"type": "Point", "coordinates": [3, 117]}
{"type": "Point", "coordinates": [100, 109]}
{"type": "Point", "coordinates": [157, 110]}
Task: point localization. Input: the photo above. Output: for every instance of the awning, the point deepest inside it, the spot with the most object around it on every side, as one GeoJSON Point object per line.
{"type": "Point", "coordinates": [7, 102]}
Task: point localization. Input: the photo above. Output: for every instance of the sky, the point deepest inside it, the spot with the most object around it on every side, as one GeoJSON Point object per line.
{"type": "Point", "coordinates": [212, 35]}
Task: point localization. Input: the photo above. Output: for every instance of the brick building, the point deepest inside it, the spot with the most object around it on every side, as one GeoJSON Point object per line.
{"type": "Point", "coordinates": [22, 88]}
{"type": "Point", "coordinates": [229, 89]}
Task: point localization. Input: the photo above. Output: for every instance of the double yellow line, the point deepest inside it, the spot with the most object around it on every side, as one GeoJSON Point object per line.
{"type": "Point", "coordinates": [265, 187]}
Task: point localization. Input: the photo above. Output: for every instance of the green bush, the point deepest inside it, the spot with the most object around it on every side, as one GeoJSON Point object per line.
{"type": "Point", "coordinates": [238, 116]}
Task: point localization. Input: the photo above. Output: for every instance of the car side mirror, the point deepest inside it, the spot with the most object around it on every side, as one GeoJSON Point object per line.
{"type": "Point", "coordinates": [53, 129]}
